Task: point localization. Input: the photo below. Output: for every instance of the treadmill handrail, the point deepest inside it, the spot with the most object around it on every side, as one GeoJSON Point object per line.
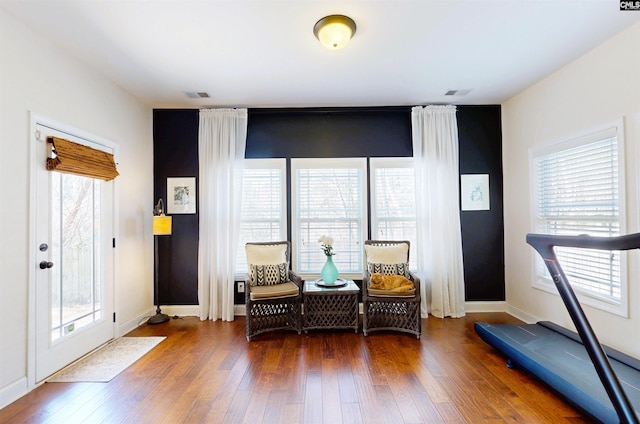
{"type": "Point", "coordinates": [544, 244]}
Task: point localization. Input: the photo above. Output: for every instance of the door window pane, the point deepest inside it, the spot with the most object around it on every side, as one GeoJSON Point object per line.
{"type": "Point", "coordinates": [77, 286]}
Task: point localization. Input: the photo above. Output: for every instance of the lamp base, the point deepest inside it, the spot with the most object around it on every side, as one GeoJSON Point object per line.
{"type": "Point", "coordinates": [158, 319]}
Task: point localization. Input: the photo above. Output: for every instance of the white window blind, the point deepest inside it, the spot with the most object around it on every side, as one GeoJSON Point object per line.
{"type": "Point", "coordinates": [577, 191]}
{"type": "Point", "coordinates": [329, 198]}
{"type": "Point", "coordinates": [393, 206]}
{"type": "Point", "coordinates": [263, 216]}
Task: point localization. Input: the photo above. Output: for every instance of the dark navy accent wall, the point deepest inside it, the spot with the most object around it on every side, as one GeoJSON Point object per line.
{"type": "Point", "coordinates": [326, 133]}
{"type": "Point", "coordinates": [334, 132]}
{"type": "Point", "coordinates": [175, 154]}
{"type": "Point", "coordinates": [480, 141]}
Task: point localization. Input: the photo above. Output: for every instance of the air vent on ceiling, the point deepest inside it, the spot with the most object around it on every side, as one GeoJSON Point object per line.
{"type": "Point", "coordinates": [462, 92]}
{"type": "Point", "coordinates": [197, 94]}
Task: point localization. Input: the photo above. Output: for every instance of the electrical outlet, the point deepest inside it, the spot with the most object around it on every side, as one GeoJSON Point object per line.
{"type": "Point", "coordinates": [240, 287]}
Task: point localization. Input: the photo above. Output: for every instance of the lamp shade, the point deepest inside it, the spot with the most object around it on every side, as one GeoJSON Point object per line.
{"type": "Point", "coordinates": [161, 225]}
{"type": "Point", "coordinates": [334, 31]}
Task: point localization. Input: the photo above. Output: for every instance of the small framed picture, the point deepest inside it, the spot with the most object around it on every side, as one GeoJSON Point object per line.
{"type": "Point", "coordinates": [474, 190]}
{"type": "Point", "coordinates": [181, 195]}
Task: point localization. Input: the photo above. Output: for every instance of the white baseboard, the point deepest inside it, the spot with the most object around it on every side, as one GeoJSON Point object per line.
{"type": "Point", "coordinates": [521, 315]}
{"type": "Point", "coordinates": [486, 306]}
{"type": "Point", "coordinates": [181, 310]}
{"type": "Point", "coordinates": [171, 310]}
{"type": "Point", "coordinates": [13, 392]}
{"type": "Point", "coordinates": [481, 306]}
{"type": "Point", "coordinates": [127, 326]}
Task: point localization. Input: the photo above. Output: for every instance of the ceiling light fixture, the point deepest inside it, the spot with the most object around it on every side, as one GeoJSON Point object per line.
{"type": "Point", "coordinates": [334, 31]}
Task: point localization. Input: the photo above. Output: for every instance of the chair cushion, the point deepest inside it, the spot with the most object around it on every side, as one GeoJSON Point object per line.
{"type": "Point", "coordinates": [277, 290]}
{"type": "Point", "coordinates": [267, 275]}
{"type": "Point", "coordinates": [389, 293]}
{"type": "Point", "coordinates": [388, 269]}
{"type": "Point", "coordinates": [393, 254]}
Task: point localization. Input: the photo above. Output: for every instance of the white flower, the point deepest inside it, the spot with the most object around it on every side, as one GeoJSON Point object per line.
{"type": "Point", "coordinates": [325, 240]}
{"type": "Point", "coordinates": [327, 243]}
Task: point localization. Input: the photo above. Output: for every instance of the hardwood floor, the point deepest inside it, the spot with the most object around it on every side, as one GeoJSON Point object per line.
{"type": "Point", "coordinates": [206, 372]}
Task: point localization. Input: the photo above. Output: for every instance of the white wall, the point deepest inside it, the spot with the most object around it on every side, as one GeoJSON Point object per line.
{"type": "Point", "coordinates": [37, 77]}
{"type": "Point", "coordinates": [598, 88]}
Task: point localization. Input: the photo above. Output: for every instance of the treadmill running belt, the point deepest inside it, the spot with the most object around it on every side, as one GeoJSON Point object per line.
{"type": "Point", "coordinates": [556, 356]}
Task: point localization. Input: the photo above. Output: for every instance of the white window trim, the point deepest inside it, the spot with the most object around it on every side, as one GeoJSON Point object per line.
{"type": "Point", "coordinates": [545, 282]}
{"type": "Point", "coordinates": [271, 163]}
{"type": "Point", "coordinates": [326, 163]}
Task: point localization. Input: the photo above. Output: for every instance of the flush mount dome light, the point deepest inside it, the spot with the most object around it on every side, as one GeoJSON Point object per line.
{"type": "Point", "coordinates": [334, 31]}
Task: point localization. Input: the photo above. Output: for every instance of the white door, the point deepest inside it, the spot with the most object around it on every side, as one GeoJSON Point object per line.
{"type": "Point", "coordinates": [74, 261]}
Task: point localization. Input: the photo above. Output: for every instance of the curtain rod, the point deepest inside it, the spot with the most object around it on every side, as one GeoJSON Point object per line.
{"type": "Point", "coordinates": [335, 110]}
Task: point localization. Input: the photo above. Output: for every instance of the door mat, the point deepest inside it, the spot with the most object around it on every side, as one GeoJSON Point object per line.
{"type": "Point", "coordinates": [105, 363]}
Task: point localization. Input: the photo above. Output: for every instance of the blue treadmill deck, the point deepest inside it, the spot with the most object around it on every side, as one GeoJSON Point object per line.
{"type": "Point", "coordinates": [556, 356]}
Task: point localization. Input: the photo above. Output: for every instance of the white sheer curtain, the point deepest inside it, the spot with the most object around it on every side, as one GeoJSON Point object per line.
{"type": "Point", "coordinates": [435, 154]}
{"type": "Point", "coordinates": [222, 138]}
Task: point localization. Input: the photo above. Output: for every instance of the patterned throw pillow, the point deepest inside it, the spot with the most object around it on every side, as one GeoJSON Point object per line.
{"type": "Point", "coordinates": [389, 269]}
{"type": "Point", "coordinates": [267, 275]}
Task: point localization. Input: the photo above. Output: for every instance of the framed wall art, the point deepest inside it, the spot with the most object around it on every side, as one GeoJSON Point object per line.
{"type": "Point", "coordinates": [474, 190]}
{"type": "Point", "coordinates": [181, 195]}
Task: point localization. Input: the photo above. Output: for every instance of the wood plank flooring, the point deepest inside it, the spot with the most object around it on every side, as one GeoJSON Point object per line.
{"type": "Point", "coordinates": [206, 372]}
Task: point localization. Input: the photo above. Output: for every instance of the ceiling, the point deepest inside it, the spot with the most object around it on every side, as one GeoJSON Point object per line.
{"type": "Point", "coordinates": [263, 53]}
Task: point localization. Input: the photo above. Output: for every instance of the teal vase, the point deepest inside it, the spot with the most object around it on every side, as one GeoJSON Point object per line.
{"type": "Point", "coordinates": [329, 273]}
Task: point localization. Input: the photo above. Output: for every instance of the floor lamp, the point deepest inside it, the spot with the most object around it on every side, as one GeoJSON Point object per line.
{"type": "Point", "coordinates": [161, 227]}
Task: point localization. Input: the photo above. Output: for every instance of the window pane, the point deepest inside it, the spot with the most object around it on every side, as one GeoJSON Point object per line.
{"type": "Point", "coordinates": [262, 216]}
{"type": "Point", "coordinates": [394, 207]}
{"type": "Point", "coordinates": [577, 193]}
{"type": "Point", "coordinates": [329, 202]}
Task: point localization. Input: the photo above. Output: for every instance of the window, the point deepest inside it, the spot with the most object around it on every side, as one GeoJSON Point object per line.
{"type": "Point", "coordinates": [329, 198]}
{"type": "Point", "coordinates": [578, 189]}
{"type": "Point", "coordinates": [263, 216]}
{"type": "Point", "coordinates": [393, 205]}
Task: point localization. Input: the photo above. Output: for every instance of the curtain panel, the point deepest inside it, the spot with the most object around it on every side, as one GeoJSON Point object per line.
{"type": "Point", "coordinates": [435, 153]}
{"type": "Point", "coordinates": [222, 137]}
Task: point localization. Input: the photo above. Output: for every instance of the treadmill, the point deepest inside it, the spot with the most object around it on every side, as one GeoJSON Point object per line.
{"type": "Point", "coordinates": [601, 381]}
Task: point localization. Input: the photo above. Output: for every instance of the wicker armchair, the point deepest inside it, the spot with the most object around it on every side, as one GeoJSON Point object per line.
{"type": "Point", "coordinates": [273, 293]}
{"type": "Point", "coordinates": [384, 310]}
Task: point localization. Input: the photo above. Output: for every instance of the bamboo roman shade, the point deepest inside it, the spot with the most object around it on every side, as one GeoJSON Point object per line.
{"type": "Point", "coordinates": [74, 158]}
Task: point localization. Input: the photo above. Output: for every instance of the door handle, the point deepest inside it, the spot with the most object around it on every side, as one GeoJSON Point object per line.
{"type": "Point", "coordinates": [45, 265]}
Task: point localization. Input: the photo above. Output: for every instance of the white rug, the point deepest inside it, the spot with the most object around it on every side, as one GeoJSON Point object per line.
{"type": "Point", "coordinates": [108, 361]}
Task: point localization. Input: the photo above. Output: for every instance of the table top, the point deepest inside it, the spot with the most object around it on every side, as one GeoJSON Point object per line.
{"type": "Point", "coordinates": [310, 286]}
